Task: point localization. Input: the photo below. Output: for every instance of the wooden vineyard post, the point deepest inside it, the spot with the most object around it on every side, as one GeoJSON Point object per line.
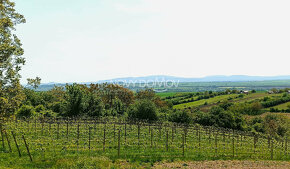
{"type": "Point", "coordinates": [167, 140]}
{"type": "Point", "coordinates": [67, 129]}
{"type": "Point", "coordinates": [114, 132]}
{"type": "Point", "coordinates": [224, 141]}
{"type": "Point", "coordinates": [242, 140]}
{"type": "Point", "coordinates": [78, 134]}
{"type": "Point", "coordinates": [209, 135]}
{"type": "Point", "coordinates": [255, 141]}
{"type": "Point", "coordinates": [89, 138]}
{"type": "Point", "coordinates": [57, 132]}
{"type": "Point", "coordinates": [159, 128]}
{"type": "Point", "coordinates": [286, 146]}
{"type": "Point", "coordinates": [42, 127]}
{"type": "Point", "coordinates": [269, 143]}
{"type": "Point", "coordinates": [104, 140]}
{"type": "Point", "coordinates": [272, 150]}
{"type": "Point", "coordinates": [125, 133]}
{"type": "Point", "coordinates": [27, 148]}
{"type": "Point", "coordinates": [172, 137]}
{"type": "Point", "coordinates": [28, 125]}
{"type": "Point", "coordinates": [138, 134]}
{"type": "Point", "coordinates": [233, 141]}
{"type": "Point", "coordinates": [185, 134]}
{"type": "Point", "coordinates": [198, 132]}
{"type": "Point", "coordinates": [119, 142]}
{"type": "Point", "coordinates": [2, 136]}
{"type": "Point", "coordinates": [8, 141]}
{"type": "Point", "coordinates": [149, 128]}
{"type": "Point", "coordinates": [14, 137]}
{"type": "Point", "coordinates": [35, 126]}
{"type": "Point", "coordinates": [183, 144]}
{"type": "Point", "coordinates": [151, 138]}
{"type": "Point", "coordinates": [216, 143]}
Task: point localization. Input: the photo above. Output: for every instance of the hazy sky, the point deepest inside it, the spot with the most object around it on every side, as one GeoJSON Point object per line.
{"type": "Point", "coordinates": [90, 40]}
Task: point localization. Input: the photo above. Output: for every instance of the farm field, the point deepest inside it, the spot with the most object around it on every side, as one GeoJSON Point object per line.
{"type": "Point", "coordinates": [208, 101]}
{"type": "Point", "coordinates": [282, 106]}
{"type": "Point", "coordinates": [51, 142]}
{"type": "Point", "coordinates": [166, 94]}
{"type": "Point", "coordinates": [230, 98]}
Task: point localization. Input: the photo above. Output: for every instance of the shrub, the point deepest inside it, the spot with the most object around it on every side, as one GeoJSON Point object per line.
{"type": "Point", "coordinates": [25, 111]}
{"type": "Point", "coordinates": [58, 107]}
{"type": "Point", "coordinates": [75, 100]}
{"type": "Point", "coordinates": [39, 108]}
{"type": "Point", "coordinates": [180, 117]}
{"type": "Point", "coordinates": [276, 125]}
{"type": "Point", "coordinates": [143, 110]}
{"type": "Point", "coordinates": [47, 113]}
{"type": "Point", "coordinates": [95, 106]}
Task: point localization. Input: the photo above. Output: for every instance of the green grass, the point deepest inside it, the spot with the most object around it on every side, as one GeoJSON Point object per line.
{"type": "Point", "coordinates": [54, 146]}
{"type": "Point", "coordinates": [202, 102]}
{"type": "Point", "coordinates": [283, 106]}
{"type": "Point", "coordinates": [166, 94]}
{"type": "Point", "coordinates": [235, 99]}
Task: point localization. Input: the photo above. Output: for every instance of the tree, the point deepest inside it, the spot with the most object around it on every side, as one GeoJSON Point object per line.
{"type": "Point", "coordinates": [180, 116]}
{"type": "Point", "coordinates": [75, 100]}
{"type": "Point", "coordinates": [144, 110]}
{"type": "Point", "coordinates": [276, 125]}
{"type": "Point", "coordinates": [149, 94]}
{"type": "Point", "coordinates": [11, 59]}
{"type": "Point", "coordinates": [34, 82]}
{"type": "Point", "coordinates": [94, 105]}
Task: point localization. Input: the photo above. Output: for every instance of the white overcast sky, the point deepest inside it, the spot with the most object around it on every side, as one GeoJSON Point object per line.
{"type": "Point", "coordinates": [90, 40]}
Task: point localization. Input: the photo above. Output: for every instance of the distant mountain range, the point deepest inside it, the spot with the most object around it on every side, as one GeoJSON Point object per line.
{"type": "Point", "coordinates": [218, 78]}
{"type": "Point", "coordinates": [208, 82]}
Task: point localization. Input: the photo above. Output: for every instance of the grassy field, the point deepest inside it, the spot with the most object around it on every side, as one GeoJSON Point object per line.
{"type": "Point", "coordinates": [282, 106]}
{"type": "Point", "coordinates": [234, 98]}
{"type": "Point", "coordinates": [208, 101]}
{"type": "Point", "coordinates": [77, 144]}
{"type": "Point", "coordinates": [166, 94]}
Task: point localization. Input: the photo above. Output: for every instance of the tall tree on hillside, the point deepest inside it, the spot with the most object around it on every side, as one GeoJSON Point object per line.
{"type": "Point", "coordinates": [11, 58]}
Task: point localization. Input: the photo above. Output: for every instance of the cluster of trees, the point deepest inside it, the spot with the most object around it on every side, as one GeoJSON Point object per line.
{"type": "Point", "coordinates": [272, 124]}
{"type": "Point", "coordinates": [221, 116]}
{"type": "Point", "coordinates": [275, 101]}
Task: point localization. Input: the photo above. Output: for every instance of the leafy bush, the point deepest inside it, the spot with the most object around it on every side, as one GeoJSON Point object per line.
{"type": "Point", "coordinates": [276, 125]}
{"type": "Point", "coordinates": [25, 111]}
{"type": "Point", "coordinates": [39, 108]}
{"type": "Point", "coordinates": [75, 100]}
{"type": "Point", "coordinates": [221, 118]}
{"type": "Point", "coordinates": [276, 101]}
{"type": "Point", "coordinates": [47, 113]}
{"type": "Point", "coordinates": [58, 107]}
{"type": "Point", "coordinates": [180, 116]}
{"type": "Point", "coordinates": [144, 110]}
{"type": "Point", "coordinates": [94, 106]}
{"type": "Point", "coordinates": [247, 108]}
